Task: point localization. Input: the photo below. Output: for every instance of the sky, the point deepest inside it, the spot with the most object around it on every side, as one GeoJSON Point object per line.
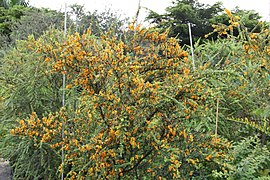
{"type": "Point", "coordinates": [129, 7]}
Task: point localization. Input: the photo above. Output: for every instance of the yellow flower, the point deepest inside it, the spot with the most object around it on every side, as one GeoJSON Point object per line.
{"type": "Point", "coordinates": [12, 131]}
{"type": "Point", "coordinates": [228, 12]}
{"type": "Point", "coordinates": [21, 122]}
{"type": "Point", "coordinates": [236, 24]}
{"type": "Point", "coordinates": [133, 141]}
{"type": "Point", "coordinates": [192, 161]}
{"type": "Point", "coordinates": [69, 86]}
{"type": "Point", "coordinates": [171, 167]}
{"type": "Point", "coordinates": [131, 26]}
{"type": "Point", "coordinates": [191, 137]}
{"type": "Point", "coordinates": [237, 17]}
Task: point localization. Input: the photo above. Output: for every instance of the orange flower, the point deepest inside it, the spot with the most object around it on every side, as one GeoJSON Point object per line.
{"type": "Point", "coordinates": [133, 141]}
{"type": "Point", "coordinates": [209, 157]}
{"type": "Point", "coordinates": [186, 71]}
{"type": "Point", "coordinates": [47, 60]}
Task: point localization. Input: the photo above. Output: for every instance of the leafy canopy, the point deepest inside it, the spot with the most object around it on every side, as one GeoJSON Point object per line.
{"type": "Point", "coordinates": [201, 16]}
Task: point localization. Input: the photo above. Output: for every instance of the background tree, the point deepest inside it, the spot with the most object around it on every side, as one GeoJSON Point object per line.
{"type": "Point", "coordinates": [250, 20]}
{"type": "Point", "coordinates": [183, 12]}
{"type": "Point", "coordinates": [78, 11]}
{"type": "Point", "coordinates": [201, 16]}
{"type": "Point", "coordinates": [11, 3]}
{"type": "Point", "coordinates": [35, 22]}
{"type": "Point", "coordinates": [100, 22]}
{"type": "Point", "coordinates": [18, 22]}
{"type": "Point", "coordinates": [8, 17]}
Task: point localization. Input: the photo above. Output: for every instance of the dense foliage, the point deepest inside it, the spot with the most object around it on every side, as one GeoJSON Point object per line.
{"type": "Point", "coordinates": [136, 107]}
{"type": "Point", "coordinates": [10, 3]}
{"type": "Point", "coordinates": [18, 22]}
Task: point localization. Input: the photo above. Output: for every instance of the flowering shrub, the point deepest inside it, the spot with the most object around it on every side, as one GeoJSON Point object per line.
{"type": "Point", "coordinates": [130, 103]}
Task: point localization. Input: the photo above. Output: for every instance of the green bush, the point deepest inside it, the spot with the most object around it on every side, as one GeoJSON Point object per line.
{"type": "Point", "coordinates": [250, 160]}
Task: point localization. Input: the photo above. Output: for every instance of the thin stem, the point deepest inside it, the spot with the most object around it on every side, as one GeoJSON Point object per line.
{"type": "Point", "coordinates": [217, 118]}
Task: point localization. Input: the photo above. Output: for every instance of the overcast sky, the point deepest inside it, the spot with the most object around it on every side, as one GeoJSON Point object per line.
{"type": "Point", "coordinates": [129, 7]}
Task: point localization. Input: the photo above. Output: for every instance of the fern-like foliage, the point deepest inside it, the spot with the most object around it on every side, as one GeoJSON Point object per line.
{"type": "Point", "coordinates": [263, 127]}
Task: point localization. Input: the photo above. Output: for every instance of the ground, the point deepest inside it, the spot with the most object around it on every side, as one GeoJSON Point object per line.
{"type": "Point", "coordinates": [5, 170]}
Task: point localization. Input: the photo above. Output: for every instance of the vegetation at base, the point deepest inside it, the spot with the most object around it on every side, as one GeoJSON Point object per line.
{"type": "Point", "coordinates": [136, 107]}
